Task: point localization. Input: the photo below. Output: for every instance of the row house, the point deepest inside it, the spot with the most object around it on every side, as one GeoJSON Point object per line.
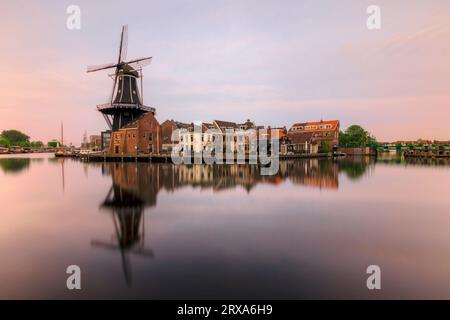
{"type": "Point", "coordinates": [167, 128]}
{"type": "Point", "coordinates": [196, 138]}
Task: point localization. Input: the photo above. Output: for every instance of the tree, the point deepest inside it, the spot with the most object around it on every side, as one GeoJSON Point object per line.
{"type": "Point", "coordinates": [4, 142]}
{"type": "Point", "coordinates": [343, 139]}
{"type": "Point", "coordinates": [15, 137]}
{"type": "Point", "coordinates": [325, 147]}
{"type": "Point", "coordinates": [356, 136]}
{"type": "Point", "coordinates": [37, 144]}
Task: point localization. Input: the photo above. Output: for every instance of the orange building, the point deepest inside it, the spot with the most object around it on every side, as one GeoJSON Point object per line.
{"type": "Point", "coordinates": [141, 136]}
{"type": "Point", "coordinates": [327, 131]}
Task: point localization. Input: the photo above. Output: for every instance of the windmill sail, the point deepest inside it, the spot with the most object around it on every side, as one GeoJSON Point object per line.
{"type": "Point", "coordinates": [101, 67]}
{"type": "Point", "coordinates": [125, 102]}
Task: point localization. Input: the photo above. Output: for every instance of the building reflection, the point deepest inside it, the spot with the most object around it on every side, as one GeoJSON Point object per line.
{"type": "Point", "coordinates": [144, 180]}
{"type": "Point", "coordinates": [135, 187]}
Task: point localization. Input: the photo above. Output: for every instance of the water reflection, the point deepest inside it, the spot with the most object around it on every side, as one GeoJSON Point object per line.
{"type": "Point", "coordinates": [142, 230]}
{"type": "Point", "coordinates": [15, 165]}
{"type": "Point", "coordinates": [136, 186]}
{"type": "Point", "coordinates": [142, 181]}
{"type": "Point", "coordinates": [356, 167]}
{"type": "Point", "coordinates": [127, 212]}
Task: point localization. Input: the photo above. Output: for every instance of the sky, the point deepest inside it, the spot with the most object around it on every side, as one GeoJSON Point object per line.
{"type": "Point", "coordinates": [275, 62]}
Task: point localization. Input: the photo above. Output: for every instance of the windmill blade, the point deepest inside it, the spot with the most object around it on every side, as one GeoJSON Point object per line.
{"type": "Point", "coordinates": [123, 49]}
{"type": "Point", "coordinates": [139, 63]}
{"type": "Point", "coordinates": [101, 67]}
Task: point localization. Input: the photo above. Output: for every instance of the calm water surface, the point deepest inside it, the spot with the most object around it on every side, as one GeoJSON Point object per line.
{"type": "Point", "coordinates": [164, 231]}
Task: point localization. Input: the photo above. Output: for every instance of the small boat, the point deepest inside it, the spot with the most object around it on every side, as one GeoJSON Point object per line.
{"type": "Point", "coordinates": [59, 153]}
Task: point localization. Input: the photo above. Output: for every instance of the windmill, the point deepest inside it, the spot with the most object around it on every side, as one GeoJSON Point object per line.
{"type": "Point", "coordinates": [126, 103]}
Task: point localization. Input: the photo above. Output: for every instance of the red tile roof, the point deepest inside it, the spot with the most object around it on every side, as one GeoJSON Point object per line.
{"type": "Point", "coordinates": [334, 126]}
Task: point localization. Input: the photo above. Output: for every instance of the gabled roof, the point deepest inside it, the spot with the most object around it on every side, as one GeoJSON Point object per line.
{"type": "Point", "coordinates": [182, 125]}
{"type": "Point", "coordinates": [206, 126]}
{"type": "Point", "coordinates": [134, 123]}
{"type": "Point", "coordinates": [247, 124]}
{"type": "Point", "coordinates": [334, 125]}
{"type": "Point", "coordinates": [225, 124]}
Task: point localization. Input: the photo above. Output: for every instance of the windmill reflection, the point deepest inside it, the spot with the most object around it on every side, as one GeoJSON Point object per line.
{"type": "Point", "coordinates": [127, 212]}
{"type": "Point", "coordinates": [135, 187]}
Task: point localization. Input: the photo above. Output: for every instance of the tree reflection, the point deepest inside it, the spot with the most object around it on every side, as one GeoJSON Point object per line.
{"type": "Point", "coordinates": [355, 167]}
{"type": "Point", "coordinates": [14, 165]}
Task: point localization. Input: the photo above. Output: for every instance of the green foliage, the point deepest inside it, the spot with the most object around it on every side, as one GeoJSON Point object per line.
{"type": "Point", "coordinates": [13, 166]}
{"type": "Point", "coordinates": [354, 170]}
{"type": "Point", "coordinates": [15, 137]}
{"type": "Point", "coordinates": [356, 136]}
{"type": "Point", "coordinates": [52, 144]}
{"type": "Point", "coordinates": [4, 142]}
{"type": "Point", "coordinates": [325, 147]}
{"type": "Point", "coordinates": [37, 144]}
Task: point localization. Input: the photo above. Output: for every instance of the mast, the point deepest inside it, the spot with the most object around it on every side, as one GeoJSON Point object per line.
{"type": "Point", "coordinates": [62, 134]}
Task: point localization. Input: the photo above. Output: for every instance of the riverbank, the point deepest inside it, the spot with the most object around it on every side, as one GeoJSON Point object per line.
{"type": "Point", "coordinates": [100, 157]}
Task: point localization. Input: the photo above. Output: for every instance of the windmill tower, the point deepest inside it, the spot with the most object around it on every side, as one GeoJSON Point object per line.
{"type": "Point", "coordinates": [126, 102]}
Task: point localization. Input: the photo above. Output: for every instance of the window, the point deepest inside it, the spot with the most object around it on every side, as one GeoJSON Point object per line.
{"type": "Point", "coordinates": [150, 137]}
{"type": "Point", "coordinates": [150, 148]}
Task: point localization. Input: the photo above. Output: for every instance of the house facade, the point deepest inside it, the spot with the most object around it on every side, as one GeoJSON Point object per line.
{"type": "Point", "coordinates": [326, 131]}
{"type": "Point", "coordinates": [299, 143]}
{"type": "Point", "coordinates": [140, 137]}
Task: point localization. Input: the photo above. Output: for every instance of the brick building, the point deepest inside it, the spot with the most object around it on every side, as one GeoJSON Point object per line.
{"type": "Point", "coordinates": [326, 131]}
{"type": "Point", "coordinates": [141, 136]}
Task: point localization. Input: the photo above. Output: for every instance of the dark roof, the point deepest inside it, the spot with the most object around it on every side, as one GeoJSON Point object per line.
{"type": "Point", "coordinates": [225, 124]}
{"type": "Point", "coordinates": [247, 124]}
{"type": "Point", "coordinates": [301, 137]}
{"type": "Point", "coordinates": [182, 125]}
{"type": "Point", "coordinates": [134, 123]}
